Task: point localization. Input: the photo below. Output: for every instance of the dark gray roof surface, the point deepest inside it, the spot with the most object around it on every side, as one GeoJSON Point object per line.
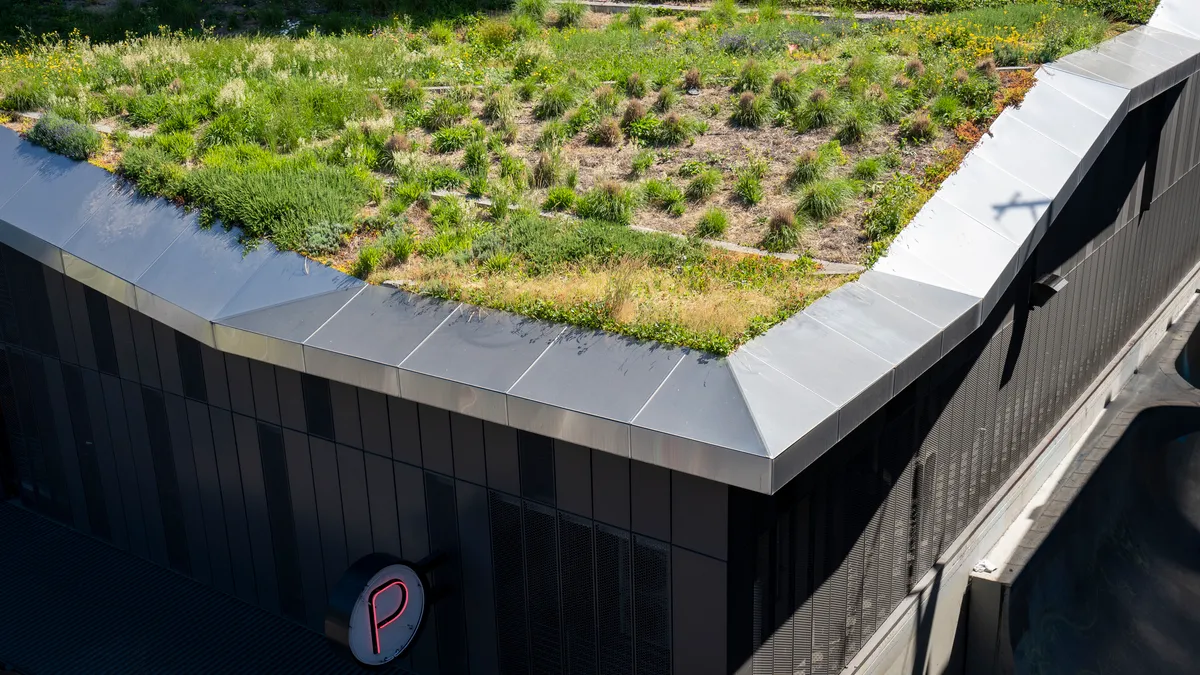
{"type": "Point", "coordinates": [73, 604]}
{"type": "Point", "coordinates": [754, 419]}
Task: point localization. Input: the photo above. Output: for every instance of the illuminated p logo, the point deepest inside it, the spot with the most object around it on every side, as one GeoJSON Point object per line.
{"type": "Point", "coordinates": [376, 609]}
{"type": "Point", "coordinates": [377, 604]}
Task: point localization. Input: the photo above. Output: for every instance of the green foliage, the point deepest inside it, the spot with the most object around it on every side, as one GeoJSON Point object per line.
{"type": "Point", "coordinates": [442, 177]}
{"type": "Point", "coordinates": [753, 77]}
{"type": "Point", "coordinates": [179, 146]}
{"type": "Point", "coordinates": [475, 159]}
{"type": "Point", "coordinates": [675, 130]}
{"type": "Point", "coordinates": [514, 170]}
{"type": "Point", "coordinates": [947, 110]}
{"type": "Point", "coordinates": [826, 199]}
{"type": "Point", "coordinates": [553, 102]}
{"type": "Point", "coordinates": [405, 94]}
{"type": "Point", "coordinates": [451, 139]}
{"type": "Point", "coordinates": [918, 128]}
{"type": "Point", "coordinates": [856, 124]}
{"type": "Point", "coordinates": [496, 34]}
{"type": "Point", "coordinates": [722, 13]}
{"type": "Point", "coordinates": [610, 202]}
{"type": "Point", "coordinates": [751, 111]}
{"type": "Point", "coordinates": [712, 224]}
{"type": "Point", "coordinates": [868, 169]}
{"type": "Point", "coordinates": [786, 92]}
{"type": "Point", "coordinates": [821, 110]}
{"type": "Point", "coordinates": [642, 162]}
{"type": "Point", "coordinates": [636, 17]}
{"type": "Point", "coordinates": [782, 232]}
{"type": "Point", "coordinates": [560, 198]}
{"type": "Point", "coordinates": [397, 243]}
{"type": "Point", "coordinates": [499, 104]}
{"type": "Point", "coordinates": [570, 13]}
{"type": "Point", "coordinates": [440, 33]}
{"type": "Point", "coordinates": [276, 197]}
{"type": "Point", "coordinates": [66, 137]}
{"type": "Point", "coordinates": [748, 186]}
{"type": "Point", "coordinates": [548, 169]}
{"type": "Point", "coordinates": [607, 132]}
{"type": "Point", "coordinates": [808, 167]}
{"type": "Point", "coordinates": [444, 112]}
{"type": "Point", "coordinates": [153, 170]}
{"type": "Point", "coordinates": [533, 9]}
{"type": "Point", "coordinates": [449, 213]}
{"type": "Point", "coordinates": [369, 258]}
{"type": "Point", "coordinates": [25, 96]}
{"type": "Point", "coordinates": [897, 202]}
{"type": "Point", "coordinates": [667, 98]}
{"type": "Point", "coordinates": [704, 185]}
{"type": "Point", "coordinates": [662, 194]}
{"type": "Point", "coordinates": [530, 57]}
{"type": "Point", "coordinates": [635, 86]}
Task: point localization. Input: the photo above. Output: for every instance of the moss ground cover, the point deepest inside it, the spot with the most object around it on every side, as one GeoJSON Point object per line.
{"type": "Point", "coordinates": [816, 138]}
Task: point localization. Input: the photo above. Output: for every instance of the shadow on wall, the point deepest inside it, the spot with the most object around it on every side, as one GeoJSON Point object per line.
{"type": "Point", "coordinates": [833, 553]}
{"type": "Point", "coordinates": [1115, 587]}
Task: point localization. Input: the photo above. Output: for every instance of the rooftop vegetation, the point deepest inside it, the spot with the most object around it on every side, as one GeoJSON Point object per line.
{"type": "Point", "coordinates": [554, 162]}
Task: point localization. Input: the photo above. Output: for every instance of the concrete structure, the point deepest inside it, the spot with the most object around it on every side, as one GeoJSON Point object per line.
{"type": "Point", "coordinates": [811, 503]}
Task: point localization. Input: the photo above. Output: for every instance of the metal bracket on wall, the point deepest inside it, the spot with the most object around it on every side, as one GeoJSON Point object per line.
{"type": "Point", "coordinates": [1045, 288]}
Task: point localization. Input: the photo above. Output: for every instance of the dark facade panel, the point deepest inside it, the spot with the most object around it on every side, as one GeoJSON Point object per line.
{"type": "Point", "coordinates": [191, 368]}
{"type": "Point", "coordinates": [373, 412]}
{"type": "Point", "coordinates": [346, 426]}
{"type": "Point", "coordinates": [466, 435]}
{"type": "Point", "coordinates": [168, 359]}
{"type": "Point", "coordinates": [449, 616]}
{"type": "Point", "coordinates": [101, 330]}
{"type": "Point", "coordinates": [573, 478]}
{"type": "Point", "coordinates": [139, 441]}
{"type": "Point", "coordinates": [106, 462]}
{"type": "Point", "coordinates": [215, 381]}
{"type": "Point", "coordinates": [258, 517]}
{"type": "Point", "coordinates": [241, 391]}
{"type": "Point", "coordinates": [284, 547]}
{"type": "Point", "coordinates": [410, 508]}
{"type": "Point", "coordinates": [122, 330]}
{"type": "Point", "coordinates": [476, 556]}
{"type": "Point", "coordinates": [610, 489]}
{"type": "Point", "coordinates": [114, 401]}
{"type": "Point", "coordinates": [503, 458]}
{"type": "Point", "coordinates": [60, 316]}
{"type": "Point", "coordinates": [701, 640]}
{"type": "Point", "coordinates": [437, 454]}
{"type": "Point", "coordinates": [70, 484]}
{"type": "Point", "coordinates": [318, 411]}
{"type": "Point", "coordinates": [234, 504]}
{"type": "Point", "coordinates": [699, 515]}
{"type": "Point", "coordinates": [209, 484]}
{"type": "Point", "coordinates": [144, 346]}
{"type": "Point", "coordinates": [381, 493]}
{"type": "Point", "coordinates": [356, 510]}
{"type": "Point", "coordinates": [291, 399]}
{"type": "Point", "coordinates": [308, 527]}
{"type": "Point", "coordinates": [329, 509]}
{"type": "Point", "coordinates": [166, 481]}
{"type": "Point", "coordinates": [537, 467]}
{"type": "Point", "coordinates": [266, 400]}
{"type": "Point", "coordinates": [85, 351]}
{"type": "Point", "coordinates": [404, 422]}
{"type": "Point", "coordinates": [189, 488]}
{"type": "Point", "coordinates": [650, 499]}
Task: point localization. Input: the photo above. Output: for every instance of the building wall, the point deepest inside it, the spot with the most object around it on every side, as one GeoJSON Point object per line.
{"type": "Point", "coordinates": [266, 484]}
{"type": "Point", "coordinates": [825, 561]}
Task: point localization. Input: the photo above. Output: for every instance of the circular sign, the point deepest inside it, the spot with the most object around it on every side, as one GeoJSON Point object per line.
{"type": "Point", "coordinates": [376, 609]}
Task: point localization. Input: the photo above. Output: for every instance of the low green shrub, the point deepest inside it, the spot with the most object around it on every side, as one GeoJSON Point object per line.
{"type": "Point", "coordinates": [369, 258]}
{"type": "Point", "coordinates": [513, 169]}
{"type": "Point", "coordinates": [703, 185]}
{"type": "Point", "coordinates": [918, 128]}
{"type": "Point", "coordinates": [607, 132]}
{"type": "Point", "coordinates": [475, 159]}
{"type": "Point", "coordinates": [635, 86]}
{"type": "Point", "coordinates": [636, 17]}
{"type": "Point", "coordinates": [277, 197]}
{"type": "Point", "coordinates": [808, 167]}
{"type": "Point", "coordinates": [786, 92]}
{"type": "Point", "coordinates": [548, 169]}
{"type": "Point", "coordinates": [66, 137]}
{"type": "Point", "coordinates": [499, 104]}
{"type": "Point", "coordinates": [826, 199]}
{"type": "Point", "coordinates": [444, 112]}
{"type": "Point", "coordinates": [560, 198]}
{"type": "Point", "coordinates": [153, 170]}
{"type": "Point", "coordinates": [533, 9]}
{"type": "Point", "coordinates": [753, 77]}
{"type": "Point", "coordinates": [821, 110]}
{"type": "Point", "coordinates": [868, 169]}
{"type": "Point", "coordinates": [407, 93]}
{"type": "Point", "coordinates": [25, 96]}
{"type": "Point", "coordinates": [179, 146]}
{"type": "Point", "coordinates": [553, 102]}
{"type": "Point", "coordinates": [782, 233]}
{"type": "Point", "coordinates": [610, 202]}
{"type": "Point", "coordinates": [712, 224]}
{"type": "Point", "coordinates": [748, 188]}
{"type": "Point", "coordinates": [570, 13]}
{"type": "Point", "coordinates": [751, 111]}
{"type": "Point", "coordinates": [442, 177]}
{"type": "Point", "coordinates": [451, 139]}
{"type": "Point", "coordinates": [642, 162]}
{"type": "Point", "coordinates": [664, 195]}
{"type": "Point", "coordinates": [856, 124]}
{"type": "Point", "coordinates": [896, 203]}
{"type": "Point", "coordinates": [495, 34]}
{"type": "Point", "coordinates": [667, 98]}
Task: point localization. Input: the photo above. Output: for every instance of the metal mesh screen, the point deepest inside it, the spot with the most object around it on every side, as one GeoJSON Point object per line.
{"type": "Point", "coordinates": [869, 520]}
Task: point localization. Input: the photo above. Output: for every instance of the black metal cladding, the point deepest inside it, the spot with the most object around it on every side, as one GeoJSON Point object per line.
{"type": "Point", "coordinates": [266, 483]}
{"type": "Point", "coordinates": [834, 552]}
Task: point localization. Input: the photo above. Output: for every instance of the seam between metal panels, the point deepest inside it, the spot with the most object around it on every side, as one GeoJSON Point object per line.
{"type": "Point", "coordinates": [318, 328]}
{"type": "Point", "coordinates": [535, 362]}
{"type": "Point", "coordinates": [655, 392]}
{"type": "Point", "coordinates": [18, 190]}
{"type": "Point", "coordinates": [228, 317]}
{"type": "Point", "coordinates": [426, 338]}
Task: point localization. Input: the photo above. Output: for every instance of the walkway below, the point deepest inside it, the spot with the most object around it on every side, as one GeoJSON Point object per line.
{"type": "Point", "coordinates": [72, 604]}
